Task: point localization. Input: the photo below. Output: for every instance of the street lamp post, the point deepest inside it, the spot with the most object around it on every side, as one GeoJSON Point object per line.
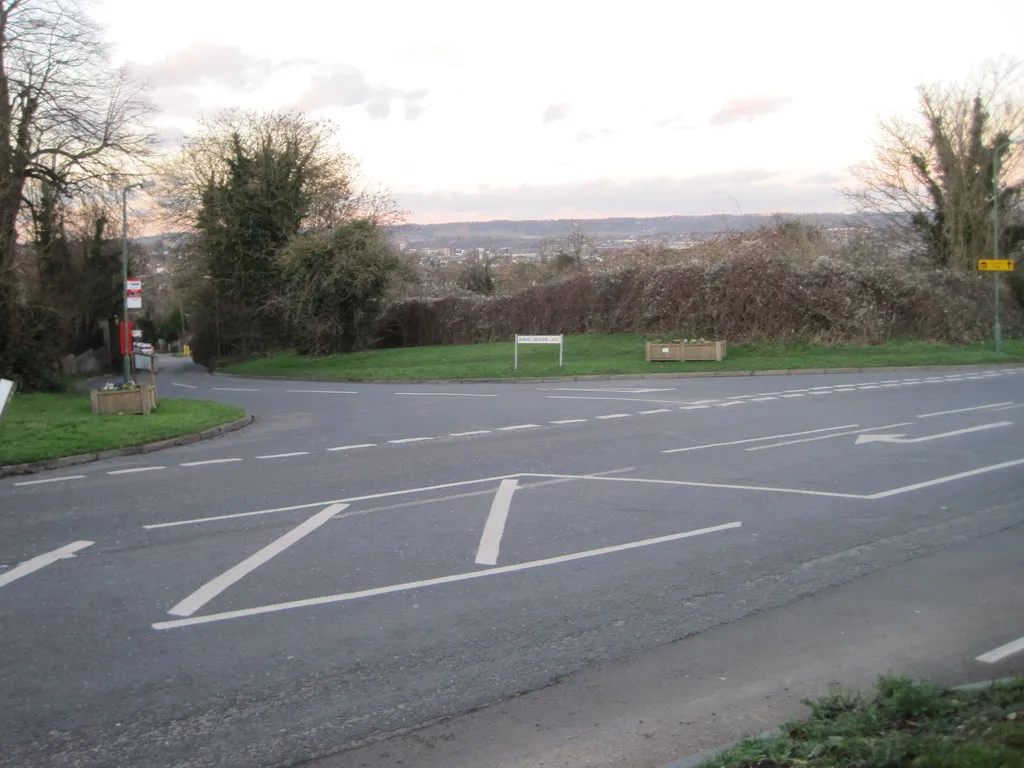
{"type": "Point", "coordinates": [996, 330]}
{"type": "Point", "coordinates": [126, 358]}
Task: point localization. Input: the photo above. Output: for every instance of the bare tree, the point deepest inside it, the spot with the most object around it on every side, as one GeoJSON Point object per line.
{"type": "Point", "coordinates": [932, 175]}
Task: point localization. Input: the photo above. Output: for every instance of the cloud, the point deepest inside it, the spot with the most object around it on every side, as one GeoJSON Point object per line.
{"type": "Point", "coordinates": [758, 191]}
{"type": "Point", "coordinates": [824, 178]}
{"type": "Point", "coordinates": [347, 86]}
{"type": "Point", "coordinates": [170, 137]}
{"type": "Point", "coordinates": [203, 64]}
{"type": "Point", "coordinates": [748, 109]}
{"type": "Point", "coordinates": [555, 112]}
{"type": "Point", "coordinates": [675, 122]}
{"type": "Point", "coordinates": [177, 101]}
{"type": "Point", "coordinates": [585, 136]}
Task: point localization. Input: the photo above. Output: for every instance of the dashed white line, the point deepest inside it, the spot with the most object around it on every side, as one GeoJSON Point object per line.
{"type": "Point", "coordinates": [613, 416]}
{"type": "Point", "coordinates": [868, 386]}
{"type": "Point", "coordinates": [320, 392]}
{"type": "Point", "coordinates": [471, 432]}
{"type": "Point", "coordinates": [183, 386]}
{"type": "Point", "coordinates": [410, 440]}
{"type": "Point", "coordinates": [762, 399]}
{"type": "Point", "coordinates": [727, 405]}
{"type": "Point", "coordinates": [1002, 652]}
{"type": "Point", "coordinates": [793, 395]}
{"type": "Point", "coordinates": [283, 455]}
{"type": "Point", "coordinates": [134, 470]}
{"type": "Point", "coordinates": [441, 394]}
{"type": "Point", "coordinates": [693, 407]}
{"type": "Point", "coordinates": [234, 389]}
{"type": "Point", "coordinates": [567, 421]}
{"type": "Point", "coordinates": [515, 427]}
{"type": "Point", "coordinates": [353, 447]}
{"type": "Point", "coordinates": [655, 410]}
{"type": "Point", "coordinates": [50, 480]}
{"type": "Point", "coordinates": [206, 462]}
{"type": "Point", "coordinates": [703, 402]}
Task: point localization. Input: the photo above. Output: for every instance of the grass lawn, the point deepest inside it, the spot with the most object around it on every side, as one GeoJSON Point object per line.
{"type": "Point", "coordinates": [39, 426]}
{"type": "Point", "coordinates": [593, 354]}
{"type": "Point", "coordinates": [901, 724]}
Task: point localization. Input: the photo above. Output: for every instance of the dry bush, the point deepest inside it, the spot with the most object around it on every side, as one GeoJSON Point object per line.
{"type": "Point", "coordinates": [762, 292]}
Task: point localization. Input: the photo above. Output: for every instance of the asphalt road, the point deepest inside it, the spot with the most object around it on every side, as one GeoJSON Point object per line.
{"type": "Point", "coordinates": [366, 559]}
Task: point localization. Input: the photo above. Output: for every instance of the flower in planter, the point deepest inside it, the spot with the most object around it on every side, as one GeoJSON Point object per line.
{"type": "Point", "coordinates": [119, 386]}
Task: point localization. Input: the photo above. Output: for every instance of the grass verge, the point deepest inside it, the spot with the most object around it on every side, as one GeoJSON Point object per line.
{"type": "Point", "coordinates": [616, 354]}
{"type": "Point", "coordinates": [902, 723]}
{"type": "Point", "coordinates": [38, 427]}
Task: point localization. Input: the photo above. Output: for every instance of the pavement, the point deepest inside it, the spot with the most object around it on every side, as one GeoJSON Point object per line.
{"type": "Point", "coordinates": [544, 574]}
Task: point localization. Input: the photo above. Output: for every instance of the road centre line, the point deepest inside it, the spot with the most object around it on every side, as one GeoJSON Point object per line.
{"type": "Point", "coordinates": [726, 405]}
{"type": "Point", "coordinates": [33, 564]}
{"type": "Point", "coordinates": [1008, 407]}
{"type": "Point", "coordinates": [183, 386]}
{"type": "Point", "coordinates": [283, 455]}
{"type": "Point", "coordinates": [515, 427]}
{"type": "Point", "coordinates": [794, 395]}
{"type": "Point", "coordinates": [411, 585]}
{"type": "Point", "coordinates": [234, 389]}
{"type": "Point", "coordinates": [825, 437]}
{"type": "Point", "coordinates": [1002, 652]}
{"type": "Point", "coordinates": [134, 470]}
{"type": "Point", "coordinates": [403, 440]}
{"type": "Point", "coordinates": [655, 410]}
{"type": "Point", "coordinates": [321, 392]}
{"type": "Point", "coordinates": [623, 399]}
{"type": "Point", "coordinates": [693, 407]}
{"type": "Point", "coordinates": [946, 479]}
{"type": "Point", "coordinates": [759, 439]}
{"type": "Point", "coordinates": [613, 416]}
{"type": "Point", "coordinates": [206, 462]}
{"type": "Point", "coordinates": [762, 399]}
{"type": "Point", "coordinates": [494, 528]}
{"type": "Point", "coordinates": [215, 586]}
{"type": "Point", "coordinates": [352, 447]}
{"type": "Point", "coordinates": [441, 394]}
{"type": "Point", "coordinates": [726, 486]}
{"type": "Point", "coordinates": [567, 421]}
{"type": "Point", "coordinates": [964, 410]}
{"type": "Point", "coordinates": [471, 432]}
{"type": "Point", "coordinates": [50, 480]}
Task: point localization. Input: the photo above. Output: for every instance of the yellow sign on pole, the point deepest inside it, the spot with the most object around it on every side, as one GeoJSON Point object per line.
{"type": "Point", "coordinates": [996, 265]}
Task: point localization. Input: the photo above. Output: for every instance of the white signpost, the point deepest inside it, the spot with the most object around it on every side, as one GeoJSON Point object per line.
{"type": "Point", "coordinates": [6, 391]}
{"type": "Point", "coordinates": [133, 294]}
{"type": "Point", "coordinates": [540, 340]}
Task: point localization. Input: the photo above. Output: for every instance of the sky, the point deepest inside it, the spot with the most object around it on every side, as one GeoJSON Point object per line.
{"type": "Point", "coordinates": [473, 111]}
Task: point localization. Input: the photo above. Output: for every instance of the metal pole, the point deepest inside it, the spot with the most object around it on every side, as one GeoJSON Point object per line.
{"type": "Point", "coordinates": [561, 349]}
{"type": "Point", "coordinates": [996, 330]}
{"type": "Point", "coordinates": [515, 366]}
{"type": "Point", "coordinates": [126, 358]}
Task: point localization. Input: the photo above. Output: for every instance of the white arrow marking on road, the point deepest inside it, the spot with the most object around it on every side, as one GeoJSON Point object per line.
{"type": "Point", "coordinates": [214, 587]}
{"type": "Point", "coordinates": [902, 438]}
{"type": "Point", "coordinates": [41, 561]}
{"type": "Point", "coordinates": [494, 528]}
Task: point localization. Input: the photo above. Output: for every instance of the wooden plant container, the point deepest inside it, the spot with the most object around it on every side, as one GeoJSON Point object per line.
{"type": "Point", "coordinates": [684, 352]}
{"type": "Point", "coordinates": [138, 401]}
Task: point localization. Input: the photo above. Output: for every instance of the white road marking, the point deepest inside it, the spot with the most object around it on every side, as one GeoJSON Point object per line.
{"type": "Point", "coordinates": [411, 585]}
{"type": "Point", "coordinates": [208, 461]}
{"type": "Point", "coordinates": [826, 437]}
{"type": "Point", "coordinates": [284, 455]}
{"type": "Point", "coordinates": [568, 421]}
{"type": "Point", "coordinates": [351, 499]}
{"type": "Point", "coordinates": [321, 392]}
{"type": "Point", "coordinates": [946, 479]}
{"type": "Point", "coordinates": [41, 561]}
{"type": "Point", "coordinates": [788, 391]}
{"type": "Point", "coordinates": [903, 439]}
{"type": "Point", "coordinates": [1002, 652]}
{"type": "Point", "coordinates": [514, 427]}
{"type": "Point", "coordinates": [410, 440]}
{"type": "Point", "coordinates": [50, 480]}
{"type": "Point", "coordinates": [184, 386]}
{"type": "Point", "coordinates": [964, 410]}
{"type": "Point", "coordinates": [639, 391]}
{"type": "Point", "coordinates": [762, 399]}
{"type": "Point", "coordinates": [441, 394]}
{"type": "Point", "coordinates": [352, 447]}
{"type": "Point", "coordinates": [215, 586]}
{"type": "Point", "coordinates": [726, 486]}
{"type": "Point", "coordinates": [845, 389]}
{"type": "Point", "coordinates": [726, 405]}
{"type": "Point", "coordinates": [693, 407]}
{"type": "Point", "coordinates": [1008, 407]}
{"type": "Point", "coordinates": [494, 528]}
{"type": "Point", "coordinates": [794, 395]}
{"type": "Point", "coordinates": [134, 470]}
{"type": "Point", "coordinates": [656, 410]}
{"type": "Point", "coordinates": [234, 389]}
{"type": "Point", "coordinates": [613, 416]}
{"type": "Point", "coordinates": [758, 439]}
{"type": "Point", "coordinates": [869, 386]}
{"type": "Point", "coordinates": [704, 402]}
{"type": "Point", "coordinates": [621, 399]}
{"type": "Point", "coordinates": [472, 432]}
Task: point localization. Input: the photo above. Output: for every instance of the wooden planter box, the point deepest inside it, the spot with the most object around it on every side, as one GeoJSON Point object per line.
{"type": "Point", "coordinates": [682, 352]}
{"type": "Point", "coordinates": [141, 400]}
